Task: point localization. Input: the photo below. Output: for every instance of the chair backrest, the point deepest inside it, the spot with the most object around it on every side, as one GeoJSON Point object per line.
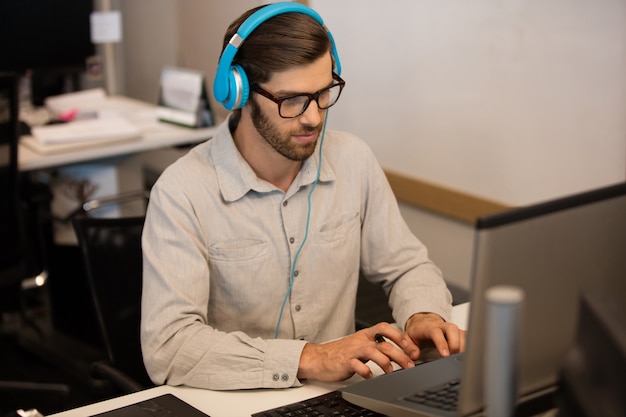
{"type": "Point", "coordinates": [111, 249]}
{"type": "Point", "coordinates": [11, 238]}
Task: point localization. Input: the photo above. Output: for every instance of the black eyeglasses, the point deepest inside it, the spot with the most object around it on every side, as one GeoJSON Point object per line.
{"type": "Point", "coordinates": [293, 106]}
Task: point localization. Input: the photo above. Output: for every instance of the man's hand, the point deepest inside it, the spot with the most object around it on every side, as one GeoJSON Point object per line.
{"type": "Point", "coordinates": [429, 328]}
{"type": "Point", "coordinates": [340, 359]}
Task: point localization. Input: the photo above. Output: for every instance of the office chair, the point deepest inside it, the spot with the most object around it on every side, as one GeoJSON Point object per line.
{"type": "Point", "coordinates": [111, 250]}
{"type": "Point", "coordinates": [17, 258]}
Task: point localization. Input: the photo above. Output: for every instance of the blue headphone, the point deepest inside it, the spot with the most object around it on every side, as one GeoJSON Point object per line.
{"type": "Point", "coordinates": [231, 87]}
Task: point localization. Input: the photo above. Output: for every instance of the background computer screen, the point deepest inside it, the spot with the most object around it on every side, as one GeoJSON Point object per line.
{"type": "Point", "coordinates": [44, 34]}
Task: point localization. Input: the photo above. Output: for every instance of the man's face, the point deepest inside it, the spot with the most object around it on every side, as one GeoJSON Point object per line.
{"type": "Point", "coordinates": [294, 138]}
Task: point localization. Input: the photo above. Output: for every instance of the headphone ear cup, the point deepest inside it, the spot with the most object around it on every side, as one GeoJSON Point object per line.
{"type": "Point", "coordinates": [238, 88]}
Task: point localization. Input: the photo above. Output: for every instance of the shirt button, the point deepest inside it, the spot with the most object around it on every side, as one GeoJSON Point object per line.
{"type": "Point", "coordinates": [285, 203]}
{"type": "Point", "coordinates": [296, 273]}
{"type": "Point", "coordinates": [275, 377]}
{"type": "Point", "coordinates": [291, 240]}
{"type": "Point", "coordinates": [285, 377]}
{"type": "Point", "coordinates": [298, 307]}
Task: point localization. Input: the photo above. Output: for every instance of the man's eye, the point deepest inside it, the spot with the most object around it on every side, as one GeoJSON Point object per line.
{"type": "Point", "coordinates": [295, 101]}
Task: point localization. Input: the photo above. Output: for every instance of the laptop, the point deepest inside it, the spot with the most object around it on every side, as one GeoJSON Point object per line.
{"type": "Point", "coordinates": [555, 251]}
{"type": "Point", "coordinates": [166, 405]}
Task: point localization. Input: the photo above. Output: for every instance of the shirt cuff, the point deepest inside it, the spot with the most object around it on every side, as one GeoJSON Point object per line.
{"type": "Point", "coordinates": [281, 363]}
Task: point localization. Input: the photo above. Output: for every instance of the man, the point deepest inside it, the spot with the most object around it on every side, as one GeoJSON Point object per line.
{"type": "Point", "coordinates": [254, 241]}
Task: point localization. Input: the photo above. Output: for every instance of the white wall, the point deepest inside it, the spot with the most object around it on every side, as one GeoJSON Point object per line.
{"type": "Point", "coordinates": [151, 42]}
{"type": "Point", "coordinates": [516, 101]}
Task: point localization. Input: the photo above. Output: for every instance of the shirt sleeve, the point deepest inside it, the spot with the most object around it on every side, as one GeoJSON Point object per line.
{"type": "Point", "coordinates": [178, 345]}
{"type": "Point", "coordinates": [393, 257]}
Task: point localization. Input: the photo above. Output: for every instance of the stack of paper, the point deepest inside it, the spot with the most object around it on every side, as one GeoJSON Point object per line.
{"type": "Point", "coordinates": [82, 101]}
{"type": "Point", "coordinates": [94, 124]}
{"type": "Point", "coordinates": [110, 128]}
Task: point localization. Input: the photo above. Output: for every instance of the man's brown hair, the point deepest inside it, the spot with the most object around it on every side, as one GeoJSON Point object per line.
{"type": "Point", "coordinates": [281, 42]}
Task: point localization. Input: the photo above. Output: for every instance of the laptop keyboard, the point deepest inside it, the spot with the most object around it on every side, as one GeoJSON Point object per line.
{"type": "Point", "coordinates": [330, 404]}
{"type": "Point", "coordinates": [444, 397]}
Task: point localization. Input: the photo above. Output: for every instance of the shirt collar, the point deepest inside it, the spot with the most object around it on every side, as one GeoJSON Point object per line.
{"type": "Point", "coordinates": [236, 178]}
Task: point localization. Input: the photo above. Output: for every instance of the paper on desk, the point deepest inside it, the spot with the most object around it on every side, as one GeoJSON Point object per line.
{"type": "Point", "coordinates": [86, 100]}
{"type": "Point", "coordinates": [112, 128]}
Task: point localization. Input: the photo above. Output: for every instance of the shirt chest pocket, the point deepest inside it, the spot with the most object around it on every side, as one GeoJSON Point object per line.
{"type": "Point", "coordinates": [336, 247]}
{"type": "Point", "coordinates": [239, 251]}
{"type": "Point", "coordinates": [238, 261]}
{"type": "Point", "coordinates": [242, 282]}
{"type": "Point", "coordinates": [339, 229]}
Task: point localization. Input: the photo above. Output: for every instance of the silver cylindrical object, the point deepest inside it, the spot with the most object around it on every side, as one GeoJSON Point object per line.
{"type": "Point", "coordinates": [503, 328]}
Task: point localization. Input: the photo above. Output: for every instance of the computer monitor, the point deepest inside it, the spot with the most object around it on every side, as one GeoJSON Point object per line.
{"type": "Point", "coordinates": [555, 251]}
{"type": "Point", "coordinates": [51, 39]}
{"type": "Point", "coordinates": [44, 34]}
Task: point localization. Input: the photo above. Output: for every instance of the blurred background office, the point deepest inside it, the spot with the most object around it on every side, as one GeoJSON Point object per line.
{"type": "Point", "coordinates": [471, 107]}
{"type": "Point", "coordinates": [490, 103]}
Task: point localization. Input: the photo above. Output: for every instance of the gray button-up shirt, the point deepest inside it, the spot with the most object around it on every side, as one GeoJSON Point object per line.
{"type": "Point", "coordinates": [219, 246]}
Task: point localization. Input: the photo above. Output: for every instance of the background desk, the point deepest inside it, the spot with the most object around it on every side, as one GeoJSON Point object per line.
{"type": "Point", "coordinates": [154, 135]}
{"type": "Point", "coordinates": [238, 403]}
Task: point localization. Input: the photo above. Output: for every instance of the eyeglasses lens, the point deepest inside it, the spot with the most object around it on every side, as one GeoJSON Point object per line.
{"type": "Point", "coordinates": [295, 106]}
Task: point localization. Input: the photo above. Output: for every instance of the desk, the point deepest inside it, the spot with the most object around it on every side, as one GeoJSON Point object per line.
{"type": "Point", "coordinates": [154, 135]}
{"type": "Point", "coordinates": [237, 403]}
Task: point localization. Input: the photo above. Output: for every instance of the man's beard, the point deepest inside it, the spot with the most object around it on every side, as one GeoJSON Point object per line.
{"type": "Point", "coordinates": [282, 143]}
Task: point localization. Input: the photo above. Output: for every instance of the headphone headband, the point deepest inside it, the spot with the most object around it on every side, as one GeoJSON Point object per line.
{"type": "Point", "coordinates": [231, 86]}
